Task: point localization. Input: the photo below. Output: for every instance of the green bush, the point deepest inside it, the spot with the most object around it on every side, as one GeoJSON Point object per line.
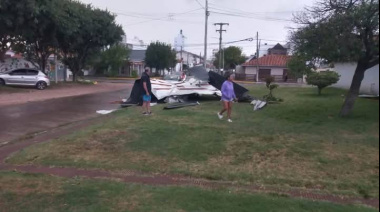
{"type": "Point", "coordinates": [134, 74]}
{"type": "Point", "coordinates": [271, 86]}
{"type": "Point", "coordinates": [322, 79]}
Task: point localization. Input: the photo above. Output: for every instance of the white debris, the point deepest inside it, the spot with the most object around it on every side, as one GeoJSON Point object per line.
{"type": "Point", "coordinates": [153, 104]}
{"type": "Point", "coordinates": [258, 104]}
{"type": "Point", "coordinates": [105, 112]}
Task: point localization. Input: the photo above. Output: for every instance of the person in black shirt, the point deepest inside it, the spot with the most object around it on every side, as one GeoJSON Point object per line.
{"type": "Point", "coordinates": [147, 88]}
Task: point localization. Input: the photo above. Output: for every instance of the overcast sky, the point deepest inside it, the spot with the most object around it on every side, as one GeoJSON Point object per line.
{"type": "Point", "coordinates": [152, 20]}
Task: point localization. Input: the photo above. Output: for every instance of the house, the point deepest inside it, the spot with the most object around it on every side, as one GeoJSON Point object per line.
{"type": "Point", "coordinates": [370, 83]}
{"type": "Point", "coordinates": [189, 59]}
{"type": "Point", "coordinates": [278, 50]}
{"type": "Point", "coordinates": [135, 62]}
{"type": "Point", "coordinates": [274, 64]}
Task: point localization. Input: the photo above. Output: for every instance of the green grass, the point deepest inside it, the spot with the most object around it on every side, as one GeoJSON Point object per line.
{"type": "Point", "coordinates": [299, 143]}
{"type": "Point", "coordinates": [36, 193]}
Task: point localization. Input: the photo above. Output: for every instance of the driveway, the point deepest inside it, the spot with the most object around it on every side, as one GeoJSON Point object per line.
{"type": "Point", "coordinates": [21, 119]}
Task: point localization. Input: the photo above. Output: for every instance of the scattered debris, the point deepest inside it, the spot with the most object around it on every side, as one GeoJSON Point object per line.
{"type": "Point", "coordinates": [198, 83]}
{"type": "Point", "coordinates": [105, 112]}
{"type": "Point", "coordinates": [369, 96]}
{"type": "Point", "coordinates": [181, 105]}
{"type": "Point", "coordinates": [258, 104]}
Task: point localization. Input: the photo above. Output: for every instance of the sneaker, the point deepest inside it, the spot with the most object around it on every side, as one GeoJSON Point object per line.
{"type": "Point", "coordinates": [220, 116]}
{"type": "Point", "coordinates": [230, 121]}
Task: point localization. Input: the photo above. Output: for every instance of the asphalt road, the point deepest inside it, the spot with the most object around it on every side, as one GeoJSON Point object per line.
{"type": "Point", "coordinates": [19, 120]}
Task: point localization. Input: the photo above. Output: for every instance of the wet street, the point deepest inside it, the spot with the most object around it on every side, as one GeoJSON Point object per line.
{"type": "Point", "coordinates": [19, 120]}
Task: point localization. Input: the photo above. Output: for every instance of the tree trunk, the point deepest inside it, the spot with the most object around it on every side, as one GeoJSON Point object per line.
{"type": "Point", "coordinates": [43, 66]}
{"type": "Point", "coordinates": [354, 90]}
{"type": "Point", "coordinates": [74, 76]}
{"type": "Point", "coordinates": [2, 55]}
{"type": "Point", "coordinates": [320, 91]}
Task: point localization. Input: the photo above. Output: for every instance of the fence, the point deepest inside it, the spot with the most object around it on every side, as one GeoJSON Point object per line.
{"type": "Point", "coordinates": [246, 77]}
{"type": "Point", "coordinates": [252, 78]}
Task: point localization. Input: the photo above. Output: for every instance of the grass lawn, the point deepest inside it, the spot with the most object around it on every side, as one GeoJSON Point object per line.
{"type": "Point", "coordinates": [36, 193]}
{"type": "Point", "coordinates": [300, 143]}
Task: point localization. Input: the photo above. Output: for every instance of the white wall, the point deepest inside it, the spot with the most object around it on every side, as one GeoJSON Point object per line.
{"type": "Point", "coordinates": [12, 63]}
{"type": "Point", "coordinates": [370, 84]}
{"type": "Point", "coordinates": [274, 72]}
{"type": "Point", "coordinates": [250, 70]}
{"type": "Point", "coordinates": [188, 59]}
{"type": "Point", "coordinates": [277, 71]}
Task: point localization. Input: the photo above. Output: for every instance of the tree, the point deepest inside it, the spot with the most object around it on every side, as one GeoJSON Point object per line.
{"type": "Point", "coordinates": [14, 15]}
{"type": "Point", "coordinates": [233, 56]}
{"type": "Point", "coordinates": [322, 79]}
{"type": "Point", "coordinates": [111, 59]}
{"type": "Point", "coordinates": [299, 66]}
{"type": "Point", "coordinates": [38, 39]}
{"type": "Point", "coordinates": [270, 98]}
{"type": "Point", "coordinates": [341, 31]}
{"type": "Point", "coordinates": [160, 56]}
{"type": "Point", "coordinates": [84, 30]}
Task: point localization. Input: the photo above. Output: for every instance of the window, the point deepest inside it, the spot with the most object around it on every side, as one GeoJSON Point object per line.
{"type": "Point", "coordinates": [20, 72]}
{"type": "Point", "coordinates": [32, 73]}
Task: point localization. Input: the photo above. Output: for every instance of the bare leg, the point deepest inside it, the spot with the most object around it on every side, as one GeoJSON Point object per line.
{"type": "Point", "coordinates": [148, 107]}
{"type": "Point", "coordinates": [225, 108]}
{"type": "Point", "coordinates": [144, 107]}
{"type": "Point", "coordinates": [229, 110]}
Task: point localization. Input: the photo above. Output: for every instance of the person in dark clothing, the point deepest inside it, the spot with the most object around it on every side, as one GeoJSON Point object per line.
{"type": "Point", "coordinates": [286, 77]}
{"type": "Point", "coordinates": [147, 88]}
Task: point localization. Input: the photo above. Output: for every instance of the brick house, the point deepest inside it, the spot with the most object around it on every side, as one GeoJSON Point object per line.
{"type": "Point", "coordinates": [274, 64]}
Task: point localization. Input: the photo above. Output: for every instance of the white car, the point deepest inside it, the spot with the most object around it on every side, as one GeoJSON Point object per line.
{"type": "Point", "coordinates": [25, 77]}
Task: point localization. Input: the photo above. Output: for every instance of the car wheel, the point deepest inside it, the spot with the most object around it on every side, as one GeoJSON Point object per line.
{"type": "Point", "coordinates": [41, 85]}
{"type": "Point", "coordinates": [2, 82]}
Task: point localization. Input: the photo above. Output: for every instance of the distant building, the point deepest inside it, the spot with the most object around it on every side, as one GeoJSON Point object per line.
{"type": "Point", "coordinates": [273, 64]}
{"type": "Point", "coordinates": [370, 83]}
{"type": "Point", "coordinates": [214, 53]}
{"type": "Point", "coordinates": [135, 62]}
{"type": "Point", "coordinates": [189, 59]}
{"type": "Point", "coordinates": [278, 50]}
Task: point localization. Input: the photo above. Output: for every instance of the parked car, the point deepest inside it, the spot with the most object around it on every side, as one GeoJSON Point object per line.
{"type": "Point", "coordinates": [25, 77]}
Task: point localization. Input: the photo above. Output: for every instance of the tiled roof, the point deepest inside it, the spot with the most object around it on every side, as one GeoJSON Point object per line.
{"type": "Point", "coordinates": [270, 61]}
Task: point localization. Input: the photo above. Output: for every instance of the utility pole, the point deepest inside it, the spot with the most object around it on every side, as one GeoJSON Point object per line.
{"type": "Point", "coordinates": [56, 66]}
{"type": "Point", "coordinates": [257, 59]}
{"type": "Point", "coordinates": [206, 33]}
{"type": "Point", "coordinates": [182, 44]}
{"type": "Point", "coordinates": [221, 30]}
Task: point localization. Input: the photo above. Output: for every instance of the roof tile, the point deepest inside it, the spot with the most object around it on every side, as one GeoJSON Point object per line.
{"type": "Point", "coordinates": [270, 60]}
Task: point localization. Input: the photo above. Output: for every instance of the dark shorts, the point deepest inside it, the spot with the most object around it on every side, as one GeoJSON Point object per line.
{"type": "Point", "coordinates": [147, 98]}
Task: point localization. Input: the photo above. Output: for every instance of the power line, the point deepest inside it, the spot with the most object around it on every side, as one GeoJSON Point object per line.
{"type": "Point", "coordinates": [258, 18]}
{"type": "Point", "coordinates": [200, 4]}
{"type": "Point", "coordinates": [162, 18]}
{"type": "Point", "coordinates": [255, 13]}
